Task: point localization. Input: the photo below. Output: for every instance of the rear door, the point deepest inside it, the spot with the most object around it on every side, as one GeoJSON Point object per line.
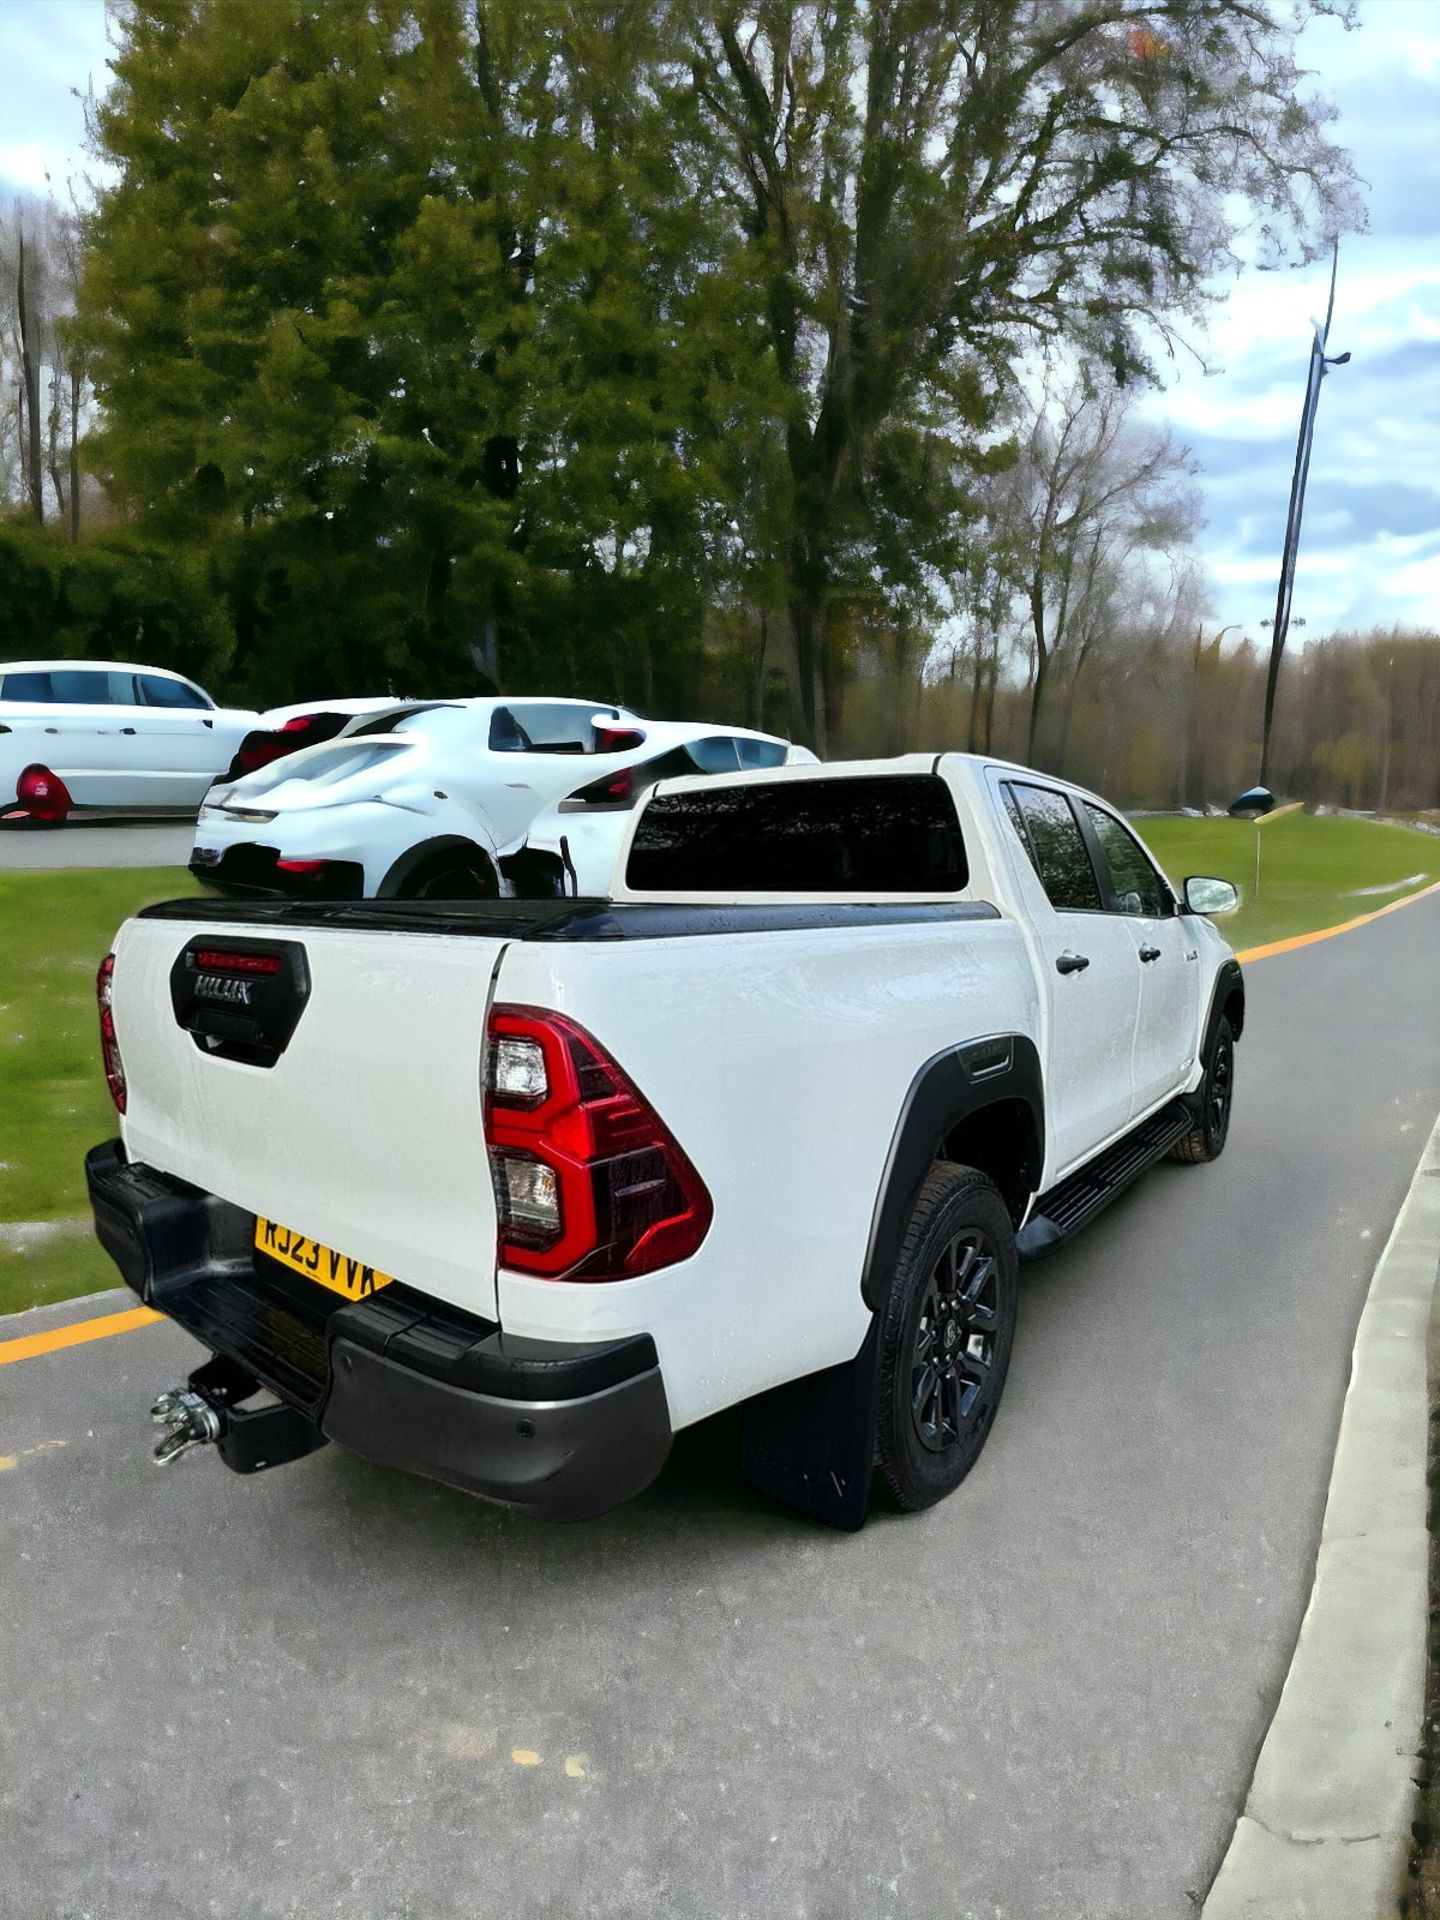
{"type": "Point", "coordinates": [339, 1096]}
{"type": "Point", "coordinates": [1167, 957]}
{"type": "Point", "coordinates": [1088, 969]}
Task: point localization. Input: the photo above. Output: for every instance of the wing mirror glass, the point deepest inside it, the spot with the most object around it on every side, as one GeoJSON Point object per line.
{"type": "Point", "coordinates": [1204, 895]}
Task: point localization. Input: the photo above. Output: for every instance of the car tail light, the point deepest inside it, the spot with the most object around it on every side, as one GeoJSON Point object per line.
{"type": "Point", "coordinates": [308, 867]}
{"type": "Point", "coordinates": [109, 1045]}
{"type": "Point", "coordinates": [590, 1184]}
{"type": "Point", "coordinates": [261, 748]}
{"type": "Point", "coordinates": [618, 739]}
{"type": "Point", "coordinates": [43, 794]}
{"type": "Point", "coordinates": [613, 790]}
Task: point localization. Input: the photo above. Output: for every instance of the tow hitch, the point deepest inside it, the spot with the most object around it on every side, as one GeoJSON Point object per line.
{"type": "Point", "coordinates": [210, 1410]}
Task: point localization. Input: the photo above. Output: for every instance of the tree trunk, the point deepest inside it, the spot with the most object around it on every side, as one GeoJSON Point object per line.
{"type": "Point", "coordinates": [77, 381]}
{"type": "Point", "coordinates": [977, 681]}
{"type": "Point", "coordinates": [1068, 711]}
{"type": "Point", "coordinates": [808, 621]}
{"type": "Point", "coordinates": [30, 374]}
{"type": "Point", "coordinates": [1042, 663]}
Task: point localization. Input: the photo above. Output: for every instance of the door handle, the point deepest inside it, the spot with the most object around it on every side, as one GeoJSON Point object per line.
{"type": "Point", "coordinates": [208, 723]}
{"type": "Point", "coordinates": [127, 729]}
{"type": "Point", "coordinates": [1072, 963]}
{"type": "Point", "coordinates": [1147, 954]}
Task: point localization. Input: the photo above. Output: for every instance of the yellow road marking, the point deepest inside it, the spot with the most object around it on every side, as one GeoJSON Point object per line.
{"type": "Point", "coordinates": [75, 1336]}
{"type": "Point", "coordinates": [1328, 933]}
{"type": "Point", "coordinates": [9, 1460]}
{"type": "Point", "coordinates": [525, 1756]}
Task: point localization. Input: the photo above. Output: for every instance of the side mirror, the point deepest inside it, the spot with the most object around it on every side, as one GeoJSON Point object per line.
{"type": "Point", "coordinates": [1203, 895]}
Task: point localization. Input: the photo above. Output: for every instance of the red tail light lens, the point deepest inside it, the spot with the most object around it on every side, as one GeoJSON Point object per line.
{"type": "Point", "coordinates": [618, 739]}
{"type": "Point", "coordinates": [590, 1184]}
{"type": "Point", "coordinates": [611, 791]}
{"type": "Point", "coordinates": [109, 1045]}
{"type": "Point", "coordinates": [222, 960]}
{"type": "Point", "coordinates": [261, 748]}
{"type": "Point", "coordinates": [43, 794]}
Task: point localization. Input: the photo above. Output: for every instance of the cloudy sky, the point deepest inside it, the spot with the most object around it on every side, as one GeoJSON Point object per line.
{"type": "Point", "coordinates": [1371, 547]}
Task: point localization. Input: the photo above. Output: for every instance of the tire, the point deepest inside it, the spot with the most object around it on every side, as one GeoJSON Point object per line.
{"type": "Point", "coordinates": [1206, 1140]}
{"type": "Point", "coordinates": [932, 1422]}
{"type": "Point", "coordinates": [455, 876]}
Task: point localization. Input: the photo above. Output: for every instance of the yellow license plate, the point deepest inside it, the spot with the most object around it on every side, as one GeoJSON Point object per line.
{"type": "Point", "coordinates": [338, 1271]}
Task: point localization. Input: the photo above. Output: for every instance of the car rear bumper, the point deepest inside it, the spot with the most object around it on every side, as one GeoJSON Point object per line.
{"type": "Point", "coordinates": [554, 1429]}
{"type": "Point", "coordinates": [249, 868]}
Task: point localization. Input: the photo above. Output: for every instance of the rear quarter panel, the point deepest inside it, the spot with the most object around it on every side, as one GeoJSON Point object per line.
{"type": "Point", "coordinates": [781, 1062]}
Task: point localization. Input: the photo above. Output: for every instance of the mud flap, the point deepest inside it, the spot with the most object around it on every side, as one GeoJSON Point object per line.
{"type": "Point", "coordinates": [811, 1443]}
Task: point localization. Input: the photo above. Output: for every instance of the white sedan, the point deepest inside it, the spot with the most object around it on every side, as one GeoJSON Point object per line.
{"type": "Point", "coordinates": [80, 734]}
{"type": "Point", "coordinates": [437, 800]}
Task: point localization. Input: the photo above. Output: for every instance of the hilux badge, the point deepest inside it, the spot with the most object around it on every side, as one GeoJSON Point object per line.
{"type": "Point", "coordinates": [217, 986]}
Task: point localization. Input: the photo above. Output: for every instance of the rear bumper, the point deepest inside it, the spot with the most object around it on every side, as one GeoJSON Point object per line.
{"type": "Point", "coordinates": [554, 1429]}
{"type": "Point", "coordinates": [249, 868]}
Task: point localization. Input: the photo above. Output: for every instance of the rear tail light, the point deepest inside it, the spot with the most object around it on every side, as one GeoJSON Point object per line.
{"type": "Point", "coordinates": [618, 739]}
{"type": "Point", "coordinates": [590, 1184]}
{"type": "Point", "coordinates": [613, 790]}
{"type": "Point", "coordinates": [109, 1045]}
{"type": "Point", "coordinates": [43, 794]}
{"type": "Point", "coordinates": [304, 867]}
{"type": "Point", "coordinates": [260, 748]}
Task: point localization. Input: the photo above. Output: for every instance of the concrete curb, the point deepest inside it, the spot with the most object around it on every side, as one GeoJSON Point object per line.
{"type": "Point", "coordinates": [1325, 1834]}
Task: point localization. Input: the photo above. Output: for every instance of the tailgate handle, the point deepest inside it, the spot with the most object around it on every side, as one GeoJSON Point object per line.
{"type": "Point", "coordinates": [240, 999]}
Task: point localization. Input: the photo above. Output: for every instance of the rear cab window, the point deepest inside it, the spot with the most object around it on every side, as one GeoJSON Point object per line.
{"type": "Point", "coordinates": [871, 835]}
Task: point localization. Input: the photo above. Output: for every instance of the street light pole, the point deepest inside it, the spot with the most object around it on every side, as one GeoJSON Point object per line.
{"type": "Point", "coordinates": [1315, 374]}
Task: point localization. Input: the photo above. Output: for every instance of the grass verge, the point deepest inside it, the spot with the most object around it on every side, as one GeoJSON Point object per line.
{"type": "Point", "coordinates": [55, 928]}
{"type": "Point", "coordinates": [1314, 871]}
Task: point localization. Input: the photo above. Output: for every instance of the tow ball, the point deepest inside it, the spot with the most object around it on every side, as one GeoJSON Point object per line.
{"type": "Point", "coordinates": [186, 1420]}
{"type": "Point", "coordinates": [212, 1410]}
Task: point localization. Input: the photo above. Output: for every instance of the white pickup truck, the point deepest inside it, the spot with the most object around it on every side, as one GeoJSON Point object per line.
{"type": "Point", "coordinates": [507, 1192]}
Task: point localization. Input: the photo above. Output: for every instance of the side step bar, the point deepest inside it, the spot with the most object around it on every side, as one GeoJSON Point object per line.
{"type": "Point", "coordinates": [1060, 1213]}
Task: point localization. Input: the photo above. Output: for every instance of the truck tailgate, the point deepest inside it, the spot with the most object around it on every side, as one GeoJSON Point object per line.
{"type": "Point", "coordinates": [365, 1133]}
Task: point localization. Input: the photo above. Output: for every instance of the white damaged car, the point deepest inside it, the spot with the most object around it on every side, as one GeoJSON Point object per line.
{"type": "Point", "coordinates": [437, 800]}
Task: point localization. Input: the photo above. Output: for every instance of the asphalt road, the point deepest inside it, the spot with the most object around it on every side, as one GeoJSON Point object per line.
{"type": "Point", "coordinates": [98, 843]}
{"type": "Point", "coordinates": [334, 1690]}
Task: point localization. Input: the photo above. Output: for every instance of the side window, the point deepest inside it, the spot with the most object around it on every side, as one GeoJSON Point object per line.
{"type": "Point", "coordinates": [1138, 887]}
{"type": "Point", "coordinates": [1057, 852]}
{"type": "Point", "coordinates": [156, 692]}
{"type": "Point", "coordinates": [761, 753]}
{"type": "Point", "coordinates": [80, 686]}
{"type": "Point", "coordinates": [716, 755]}
{"type": "Point", "coordinates": [28, 686]}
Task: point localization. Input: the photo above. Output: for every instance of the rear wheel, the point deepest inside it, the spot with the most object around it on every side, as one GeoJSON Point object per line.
{"type": "Point", "coordinates": [945, 1340]}
{"type": "Point", "coordinates": [456, 876]}
{"type": "Point", "coordinates": [1206, 1139]}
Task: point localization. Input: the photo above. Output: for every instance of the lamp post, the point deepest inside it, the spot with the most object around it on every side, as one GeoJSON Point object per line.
{"type": "Point", "coordinates": [1319, 365]}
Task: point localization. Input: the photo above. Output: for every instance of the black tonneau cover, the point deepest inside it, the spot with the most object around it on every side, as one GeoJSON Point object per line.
{"type": "Point", "coordinates": [562, 919]}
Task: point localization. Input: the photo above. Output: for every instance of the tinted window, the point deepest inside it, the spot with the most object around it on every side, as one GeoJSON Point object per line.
{"type": "Point", "coordinates": [28, 686]}
{"type": "Point", "coordinates": [1052, 839]}
{"type": "Point", "coordinates": [881, 835]}
{"type": "Point", "coordinates": [70, 686]}
{"type": "Point", "coordinates": [1138, 887]}
{"type": "Point", "coordinates": [715, 756]}
{"type": "Point", "coordinates": [761, 753]}
{"type": "Point", "coordinates": [155, 692]}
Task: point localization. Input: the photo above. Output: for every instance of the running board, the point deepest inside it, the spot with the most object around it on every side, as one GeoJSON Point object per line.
{"type": "Point", "coordinates": [1062, 1211]}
